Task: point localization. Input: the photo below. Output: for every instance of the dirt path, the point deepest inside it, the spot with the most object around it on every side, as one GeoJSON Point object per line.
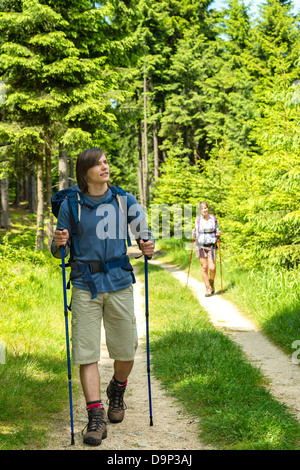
{"type": "Point", "coordinates": [283, 375]}
{"type": "Point", "coordinates": [173, 429]}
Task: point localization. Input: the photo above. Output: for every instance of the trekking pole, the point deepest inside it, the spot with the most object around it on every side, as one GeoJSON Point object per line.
{"type": "Point", "coordinates": [67, 340]}
{"type": "Point", "coordinates": [190, 261]}
{"type": "Point", "coordinates": [220, 265]}
{"type": "Point", "coordinates": [147, 337]}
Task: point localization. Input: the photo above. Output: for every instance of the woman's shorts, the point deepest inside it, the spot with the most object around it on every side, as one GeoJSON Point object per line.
{"type": "Point", "coordinates": [117, 311]}
{"type": "Point", "coordinates": [206, 252]}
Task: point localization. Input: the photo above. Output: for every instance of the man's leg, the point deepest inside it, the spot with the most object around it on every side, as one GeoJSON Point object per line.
{"type": "Point", "coordinates": [86, 338]}
{"type": "Point", "coordinates": [116, 389]}
{"type": "Point", "coordinates": [122, 342]}
{"type": "Point", "coordinates": [122, 370]}
{"type": "Point", "coordinates": [90, 381]}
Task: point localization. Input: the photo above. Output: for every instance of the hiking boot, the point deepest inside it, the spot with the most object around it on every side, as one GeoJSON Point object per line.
{"type": "Point", "coordinates": [208, 291]}
{"type": "Point", "coordinates": [116, 404]}
{"type": "Point", "coordinates": [212, 285]}
{"type": "Point", "coordinates": [96, 427]}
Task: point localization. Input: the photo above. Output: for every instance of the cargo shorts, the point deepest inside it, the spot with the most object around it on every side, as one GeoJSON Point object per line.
{"type": "Point", "coordinates": [117, 311]}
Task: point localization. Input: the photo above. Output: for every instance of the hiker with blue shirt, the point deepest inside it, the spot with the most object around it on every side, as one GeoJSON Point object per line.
{"type": "Point", "coordinates": [102, 278]}
{"type": "Point", "coordinates": [206, 233]}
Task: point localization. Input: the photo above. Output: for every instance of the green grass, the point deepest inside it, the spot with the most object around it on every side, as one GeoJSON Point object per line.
{"type": "Point", "coordinates": [33, 380]}
{"type": "Point", "coordinates": [271, 298]}
{"type": "Point", "coordinates": [210, 376]}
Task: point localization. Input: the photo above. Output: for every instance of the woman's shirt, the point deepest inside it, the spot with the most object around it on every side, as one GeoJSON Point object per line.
{"type": "Point", "coordinates": [206, 230]}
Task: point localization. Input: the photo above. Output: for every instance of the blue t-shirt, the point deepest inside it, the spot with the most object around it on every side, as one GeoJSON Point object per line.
{"type": "Point", "coordinates": [102, 235]}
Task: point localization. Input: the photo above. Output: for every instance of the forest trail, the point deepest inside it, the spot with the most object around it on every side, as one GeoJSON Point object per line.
{"type": "Point", "coordinates": [277, 367]}
{"type": "Point", "coordinates": [173, 428]}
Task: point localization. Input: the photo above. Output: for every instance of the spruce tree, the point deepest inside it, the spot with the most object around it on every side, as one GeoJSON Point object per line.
{"type": "Point", "coordinates": [270, 229]}
{"type": "Point", "coordinates": [57, 79]}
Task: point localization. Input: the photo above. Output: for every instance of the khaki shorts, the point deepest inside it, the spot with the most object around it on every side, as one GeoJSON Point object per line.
{"type": "Point", "coordinates": [117, 310]}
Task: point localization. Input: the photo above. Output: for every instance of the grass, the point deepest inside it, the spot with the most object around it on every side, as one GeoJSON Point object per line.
{"type": "Point", "coordinates": [33, 380]}
{"type": "Point", "coordinates": [210, 376]}
{"type": "Point", "coordinates": [271, 298]}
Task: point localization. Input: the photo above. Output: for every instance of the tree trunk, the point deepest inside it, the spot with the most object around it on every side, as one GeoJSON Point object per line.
{"type": "Point", "coordinates": [48, 190]}
{"type": "Point", "coordinates": [4, 219]}
{"type": "Point", "coordinates": [40, 203]}
{"type": "Point", "coordinates": [71, 171]}
{"type": "Point", "coordinates": [48, 172]}
{"type": "Point", "coordinates": [140, 168]}
{"type": "Point", "coordinates": [17, 182]}
{"type": "Point", "coordinates": [63, 169]}
{"type": "Point", "coordinates": [146, 170]}
{"type": "Point", "coordinates": [25, 180]}
{"type": "Point", "coordinates": [155, 148]}
{"type": "Point", "coordinates": [32, 202]}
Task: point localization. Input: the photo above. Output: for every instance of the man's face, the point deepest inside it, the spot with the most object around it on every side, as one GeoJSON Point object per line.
{"type": "Point", "coordinates": [99, 173]}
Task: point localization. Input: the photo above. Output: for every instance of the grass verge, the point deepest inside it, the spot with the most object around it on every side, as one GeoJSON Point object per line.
{"type": "Point", "coordinates": [33, 379]}
{"type": "Point", "coordinates": [210, 376]}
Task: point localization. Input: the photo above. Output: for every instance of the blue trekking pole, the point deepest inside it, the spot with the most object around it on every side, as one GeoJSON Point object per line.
{"type": "Point", "coordinates": [147, 337]}
{"type": "Point", "coordinates": [67, 339]}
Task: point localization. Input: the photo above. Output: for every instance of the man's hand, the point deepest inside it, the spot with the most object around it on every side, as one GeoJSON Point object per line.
{"type": "Point", "coordinates": [147, 248]}
{"type": "Point", "coordinates": [61, 237]}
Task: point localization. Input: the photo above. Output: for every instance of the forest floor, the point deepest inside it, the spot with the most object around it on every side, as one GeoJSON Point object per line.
{"type": "Point", "coordinates": [173, 428]}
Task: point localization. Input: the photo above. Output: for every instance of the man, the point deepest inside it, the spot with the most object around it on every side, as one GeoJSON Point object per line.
{"type": "Point", "coordinates": [102, 279]}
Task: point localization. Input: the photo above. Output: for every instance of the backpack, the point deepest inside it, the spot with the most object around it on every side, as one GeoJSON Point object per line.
{"type": "Point", "coordinates": [215, 219]}
{"type": "Point", "coordinates": [73, 195]}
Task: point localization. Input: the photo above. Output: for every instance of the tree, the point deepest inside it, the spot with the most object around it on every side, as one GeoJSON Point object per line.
{"type": "Point", "coordinates": [51, 62]}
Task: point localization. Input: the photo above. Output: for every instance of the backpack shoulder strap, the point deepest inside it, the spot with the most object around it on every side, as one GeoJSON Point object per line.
{"type": "Point", "coordinates": [117, 191]}
{"type": "Point", "coordinates": [74, 202]}
{"type": "Point", "coordinates": [215, 219]}
{"type": "Point", "coordinates": [72, 194]}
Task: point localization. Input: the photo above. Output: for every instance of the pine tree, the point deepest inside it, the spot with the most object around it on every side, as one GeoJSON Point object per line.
{"type": "Point", "coordinates": [59, 86]}
{"type": "Point", "coordinates": [268, 218]}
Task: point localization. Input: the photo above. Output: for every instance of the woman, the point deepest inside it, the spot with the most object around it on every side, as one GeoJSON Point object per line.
{"type": "Point", "coordinates": [206, 232]}
{"type": "Point", "coordinates": [102, 279]}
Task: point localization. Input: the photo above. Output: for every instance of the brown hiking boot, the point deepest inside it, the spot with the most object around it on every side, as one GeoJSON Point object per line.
{"type": "Point", "coordinates": [208, 291]}
{"type": "Point", "coordinates": [116, 404]}
{"type": "Point", "coordinates": [212, 285]}
{"type": "Point", "coordinates": [96, 427]}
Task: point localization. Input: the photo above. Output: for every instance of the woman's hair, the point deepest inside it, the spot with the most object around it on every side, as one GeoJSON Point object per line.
{"type": "Point", "coordinates": [86, 160]}
{"type": "Point", "coordinates": [202, 204]}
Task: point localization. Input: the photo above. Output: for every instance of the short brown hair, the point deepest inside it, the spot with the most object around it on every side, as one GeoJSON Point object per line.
{"type": "Point", "coordinates": [86, 160]}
